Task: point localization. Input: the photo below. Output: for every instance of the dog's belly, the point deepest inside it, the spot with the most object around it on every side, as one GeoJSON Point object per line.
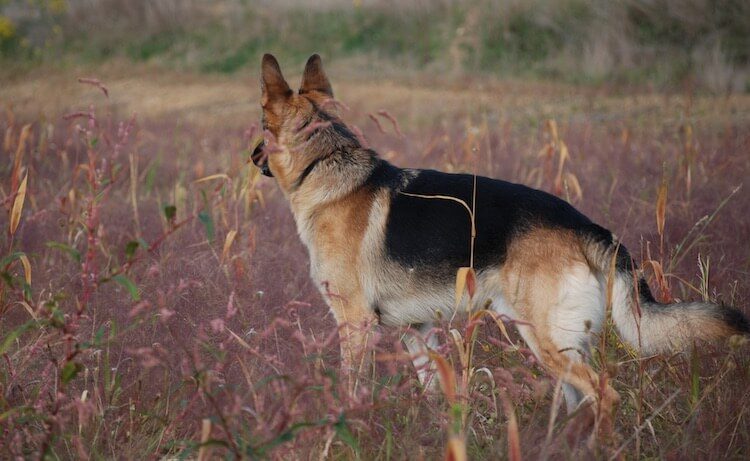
{"type": "Point", "coordinates": [414, 308]}
{"type": "Point", "coordinates": [413, 297]}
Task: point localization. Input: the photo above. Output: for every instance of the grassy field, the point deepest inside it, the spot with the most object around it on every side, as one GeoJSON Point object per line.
{"type": "Point", "coordinates": [156, 300]}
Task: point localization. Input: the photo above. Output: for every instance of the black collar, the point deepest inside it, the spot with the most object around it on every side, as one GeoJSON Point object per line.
{"type": "Point", "coordinates": [306, 172]}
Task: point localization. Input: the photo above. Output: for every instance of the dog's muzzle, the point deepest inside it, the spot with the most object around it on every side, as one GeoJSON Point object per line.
{"type": "Point", "coordinates": [261, 160]}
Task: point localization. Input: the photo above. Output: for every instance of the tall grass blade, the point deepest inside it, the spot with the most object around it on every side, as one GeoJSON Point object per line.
{"type": "Point", "coordinates": [228, 240]}
{"type": "Point", "coordinates": [514, 439]}
{"type": "Point", "coordinates": [21, 148]}
{"type": "Point", "coordinates": [661, 206]}
{"type": "Point", "coordinates": [465, 282]}
{"type": "Point", "coordinates": [15, 214]}
{"type": "Point", "coordinates": [26, 268]}
{"type": "Point", "coordinates": [456, 449]}
{"type": "Point", "coordinates": [447, 376]}
{"type": "Point", "coordinates": [204, 452]}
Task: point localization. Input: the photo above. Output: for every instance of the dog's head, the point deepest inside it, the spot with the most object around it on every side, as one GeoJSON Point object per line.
{"type": "Point", "coordinates": [291, 119]}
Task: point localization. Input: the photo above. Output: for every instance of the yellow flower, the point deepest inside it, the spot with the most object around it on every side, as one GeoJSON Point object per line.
{"type": "Point", "coordinates": [7, 29]}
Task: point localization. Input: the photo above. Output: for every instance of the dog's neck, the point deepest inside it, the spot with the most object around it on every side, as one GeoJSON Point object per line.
{"type": "Point", "coordinates": [321, 164]}
{"type": "Point", "coordinates": [329, 178]}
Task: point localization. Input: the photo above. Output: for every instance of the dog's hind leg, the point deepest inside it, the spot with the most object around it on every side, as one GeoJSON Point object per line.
{"type": "Point", "coordinates": [580, 381]}
{"type": "Point", "coordinates": [573, 396]}
{"type": "Point", "coordinates": [577, 314]}
{"type": "Point", "coordinates": [419, 341]}
{"type": "Point", "coordinates": [548, 284]}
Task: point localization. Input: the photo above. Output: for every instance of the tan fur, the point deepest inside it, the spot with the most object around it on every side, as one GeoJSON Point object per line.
{"type": "Point", "coordinates": [530, 279]}
{"type": "Point", "coordinates": [338, 265]}
{"type": "Point", "coordinates": [532, 269]}
{"type": "Point", "coordinates": [288, 164]}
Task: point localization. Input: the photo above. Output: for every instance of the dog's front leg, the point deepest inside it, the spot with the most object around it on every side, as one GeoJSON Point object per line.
{"type": "Point", "coordinates": [419, 342]}
{"type": "Point", "coordinates": [355, 322]}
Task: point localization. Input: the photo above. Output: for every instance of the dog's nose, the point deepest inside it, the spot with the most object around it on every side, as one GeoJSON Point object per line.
{"type": "Point", "coordinates": [261, 160]}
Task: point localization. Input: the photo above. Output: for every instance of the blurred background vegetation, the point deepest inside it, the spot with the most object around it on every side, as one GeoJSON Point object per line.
{"type": "Point", "coordinates": [665, 44]}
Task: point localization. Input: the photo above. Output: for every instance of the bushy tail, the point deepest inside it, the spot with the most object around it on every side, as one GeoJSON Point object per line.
{"type": "Point", "coordinates": [644, 322]}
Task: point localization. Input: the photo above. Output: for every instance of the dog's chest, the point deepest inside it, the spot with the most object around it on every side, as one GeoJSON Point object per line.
{"type": "Point", "coordinates": [334, 237]}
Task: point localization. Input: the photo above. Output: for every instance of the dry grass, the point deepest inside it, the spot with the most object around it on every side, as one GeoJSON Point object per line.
{"type": "Point", "coordinates": [194, 331]}
{"type": "Point", "coordinates": [154, 92]}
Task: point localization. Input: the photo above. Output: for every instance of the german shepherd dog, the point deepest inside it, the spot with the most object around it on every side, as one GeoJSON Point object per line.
{"type": "Point", "coordinates": [382, 251]}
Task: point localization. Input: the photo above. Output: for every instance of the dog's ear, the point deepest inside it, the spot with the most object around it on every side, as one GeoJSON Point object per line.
{"type": "Point", "coordinates": [314, 78]}
{"type": "Point", "coordinates": [272, 84]}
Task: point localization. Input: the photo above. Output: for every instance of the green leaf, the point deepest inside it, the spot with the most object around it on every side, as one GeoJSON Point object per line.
{"type": "Point", "coordinates": [56, 316]}
{"type": "Point", "coordinates": [695, 382]}
{"type": "Point", "coordinates": [208, 224]}
{"type": "Point", "coordinates": [97, 340]}
{"type": "Point", "coordinates": [10, 258]}
{"type": "Point", "coordinates": [150, 178]}
{"type": "Point", "coordinates": [282, 438]}
{"type": "Point", "coordinates": [130, 248]}
{"type": "Point", "coordinates": [75, 254]}
{"type": "Point", "coordinates": [346, 436]}
{"type": "Point", "coordinates": [69, 371]}
{"type": "Point", "coordinates": [129, 285]}
{"type": "Point", "coordinates": [170, 211]}
{"type": "Point", "coordinates": [7, 278]}
{"type": "Point", "coordinates": [389, 441]}
{"type": "Point", "coordinates": [10, 337]}
{"type": "Point", "coordinates": [213, 443]}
